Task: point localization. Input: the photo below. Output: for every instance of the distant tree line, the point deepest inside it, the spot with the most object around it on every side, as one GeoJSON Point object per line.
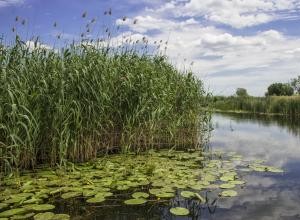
{"type": "Point", "coordinates": [276, 89]}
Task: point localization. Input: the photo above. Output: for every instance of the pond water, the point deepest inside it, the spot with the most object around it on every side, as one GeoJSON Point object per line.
{"type": "Point", "coordinates": [275, 140]}
{"type": "Point", "coordinates": [265, 195]}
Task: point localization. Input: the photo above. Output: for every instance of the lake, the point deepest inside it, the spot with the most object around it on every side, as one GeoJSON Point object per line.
{"type": "Point", "coordinates": [275, 140]}
{"type": "Point", "coordinates": [265, 195]}
{"type": "Point", "coordinates": [242, 148]}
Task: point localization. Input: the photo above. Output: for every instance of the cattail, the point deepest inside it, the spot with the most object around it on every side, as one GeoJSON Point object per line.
{"type": "Point", "coordinates": [23, 22]}
{"type": "Point", "coordinates": [88, 30]}
{"type": "Point", "coordinates": [109, 11]}
{"type": "Point", "coordinates": [82, 35]}
{"type": "Point", "coordinates": [17, 18]}
{"type": "Point", "coordinates": [55, 24]}
{"type": "Point", "coordinates": [106, 30]}
{"type": "Point", "coordinates": [84, 14]}
{"type": "Point", "coordinates": [58, 36]}
{"type": "Point", "coordinates": [124, 18]}
{"type": "Point", "coordinates": [13, 29]}
{"type": "Point", "coordinates": [93, 20]}
{"type": "Point", "coordinates": [135, 21]}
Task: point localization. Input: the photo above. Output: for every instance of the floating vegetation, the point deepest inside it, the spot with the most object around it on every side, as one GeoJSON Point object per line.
{"type": "Point", "coordinates": [138, 201]}
{"type": "Point", "coordinates": [228, 193]}
{"type": "Point", "coordinates": [144, 178]}
{"type": "Point", "coordinates": [187, 194]}
{"type": "Point", "coordinates": [137, 195]}
{"type": "Point", "coordinates": [179, 211]}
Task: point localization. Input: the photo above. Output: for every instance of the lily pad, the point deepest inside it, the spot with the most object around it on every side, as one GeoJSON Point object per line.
{"type": "Point", "coordinates": [26, 216]}
{"type": "Point", "coordinates": [138, 201]}
{"type": "Point", "coordinates": [71, 195]}
{"type": "Point", "coordinates": [179, 211]}
{"type": "Point", "coordinates": [228, 193]}
{"type": "Point", "coordinates": [165, 195]}
{"type": "Point", "coordinates": [275, 170]}
{"type": "Point", "coordinates": [37, 207]}
{"type": "Point", "coordinates": [137, 195]}
{"type": "Point", "coordinates": [227, 186]}
{"type": "Point", "coordinates": [44, 216]}
{"type": "Point", "coordinates": [96, 200]}
{"type": "Point", "coordinates": [187, 194]}
{"type": "Point", "coordinates": [13, 212]}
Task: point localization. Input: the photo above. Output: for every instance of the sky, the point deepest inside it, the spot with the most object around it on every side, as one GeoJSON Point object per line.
{"type": "Point", "coordinates": [227, 43]}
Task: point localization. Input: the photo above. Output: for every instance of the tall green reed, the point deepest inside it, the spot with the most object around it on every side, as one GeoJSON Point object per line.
{"type": "Point", "coordinates": [69, 105]}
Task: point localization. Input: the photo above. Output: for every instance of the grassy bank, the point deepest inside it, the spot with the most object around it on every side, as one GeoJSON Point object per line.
{"type": "Point", "coordinates": [280, 105]}
{"type": "Point", "coordinates": [74, 104]}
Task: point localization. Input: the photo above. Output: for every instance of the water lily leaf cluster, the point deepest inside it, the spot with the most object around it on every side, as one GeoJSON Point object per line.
{"type": "Point", "coordinates": [148, 177]}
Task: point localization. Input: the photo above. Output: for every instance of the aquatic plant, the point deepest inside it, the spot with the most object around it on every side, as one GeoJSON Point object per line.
{"type": "Point", "coordinates": [280, 105]}
{"type": "Point", "coordinates": [188, 175]}
{"type": "Point", "coordinates": [72, 105]}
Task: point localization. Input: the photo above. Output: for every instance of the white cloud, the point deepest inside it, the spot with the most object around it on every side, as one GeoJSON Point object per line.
{"type": "Point", "coordinates": [5, 3]}
{"type": "Point", "coordinates": [236, 13]}
{"type": "Point", "coordinates": [32, 45]}
{"type": "Point", "coordinates": [224, 60]}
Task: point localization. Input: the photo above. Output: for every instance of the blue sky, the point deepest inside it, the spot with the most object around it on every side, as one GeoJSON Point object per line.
{"type": "Point", "coordinates": [232, 43]}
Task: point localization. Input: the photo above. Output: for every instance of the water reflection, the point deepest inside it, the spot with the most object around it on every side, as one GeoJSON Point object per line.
{"type": "Point", "coordinates": [277, 141]}
{"type": "Point", "coordinates": [266, 196]}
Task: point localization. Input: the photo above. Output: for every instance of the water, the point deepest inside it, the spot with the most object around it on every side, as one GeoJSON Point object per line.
{"type": "Point", "coordinates": [265, 196]}
{"type": "Point", "coordinates": [277, 141]}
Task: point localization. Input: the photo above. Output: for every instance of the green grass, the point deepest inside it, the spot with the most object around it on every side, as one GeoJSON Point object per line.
{"type": "Point", "coordinates": [65, 106]}
{"type": "Point", "coordinates": [281, 105]}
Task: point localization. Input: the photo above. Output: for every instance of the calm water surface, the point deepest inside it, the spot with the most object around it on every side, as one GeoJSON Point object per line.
{"type": "Point", "coordinates": [265, 196]}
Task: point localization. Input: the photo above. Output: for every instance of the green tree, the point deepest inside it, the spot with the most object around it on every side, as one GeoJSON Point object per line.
{"type": "Point", "coordinates": [295, 83]}
{"type": "Point", "coordinates": [280, 89]}
{"type": "Point", "coordinates": [241, 92]}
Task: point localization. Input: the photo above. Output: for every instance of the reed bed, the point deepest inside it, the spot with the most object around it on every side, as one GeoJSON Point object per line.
{"type": "Point", "coordinates": [280, 105]}
{"type": "Point", "coordinates": [85, 100]}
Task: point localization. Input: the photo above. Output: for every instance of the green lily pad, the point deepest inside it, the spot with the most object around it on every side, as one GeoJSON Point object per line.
{"type": "Point", "coordinates": [228, 193]}
{"type": "Point", "coordinates": [227, 186]}
{"type": "Point", "coordinates": [104, 194]}
{"type": "Point", "coordinates": [187, 194]}
{"type": "Point", "coordinates": [14, 200]}
{"type": "Point", "coordinates": [69, 195]}
{"type": "Point", "coordinates": [44, 216]}
{"type": "Point", "coordinates": [179, 211]}
{"type": "Point", "coordinates": [137, 195]}
{"type": "Point", "coordinates": [37, 207]}
{"type": "Point", "coordinates": [275, 170]}
{"type": "Point", "coordinates": [237, 182]}
{"type": "Point", "coordinates": [96, 200]}
{"type": "Point", "coordinates": [26, 216]}
{"type": "Point", "coordinates": [122, 188]}
{"type": "Point", "coordinates": [138, 201]}
{"type": "Point", "coordinates": [165, 195]}
{"type": "Point", "coordinates": [13, 212]}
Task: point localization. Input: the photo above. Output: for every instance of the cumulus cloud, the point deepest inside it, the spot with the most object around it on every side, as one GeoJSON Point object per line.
{"type": "Point", "coordinates": [5, 3]}
{"type": "Point", "coordinates": [225, 60]}
{"type": "Point", "coordinates": [236, 13]}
